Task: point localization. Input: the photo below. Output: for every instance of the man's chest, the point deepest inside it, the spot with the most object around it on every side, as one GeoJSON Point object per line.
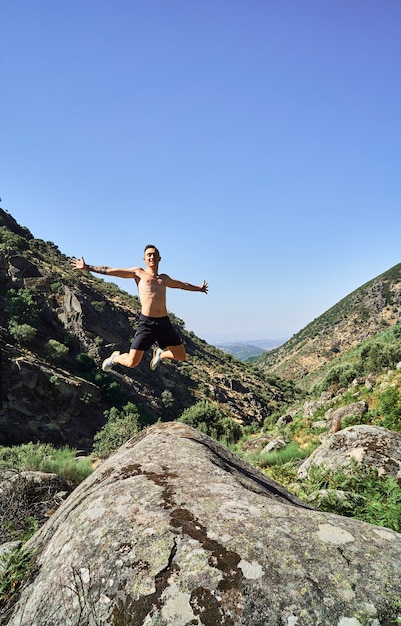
{"type": "Point", "coordinates": [152, 285]}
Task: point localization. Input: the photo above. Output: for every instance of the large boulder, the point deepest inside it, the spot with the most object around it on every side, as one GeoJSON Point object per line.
{"type": "Point", "coordinates": [174, 529]}
{"type": "Point", "coordinates": [335, 417]}
{"type": "Point", "coordinates": [371, 446]}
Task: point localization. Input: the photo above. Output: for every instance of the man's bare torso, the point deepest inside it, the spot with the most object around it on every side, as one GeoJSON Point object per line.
{"type": "Point", "coordinates": [152, 293]}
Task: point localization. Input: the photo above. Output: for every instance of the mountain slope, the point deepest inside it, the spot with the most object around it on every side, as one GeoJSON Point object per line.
{"type": "Point", "coordinates": [56, 327]}
{"type": "Point", "coordinates": [362, 314]}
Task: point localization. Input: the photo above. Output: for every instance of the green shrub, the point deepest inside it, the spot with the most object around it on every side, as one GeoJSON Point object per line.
{"type": "Point", "coordinates": [85, 363]}
{"type": "Point", "coordinates": [55, 351]}
{"type": "Point", "coordinates": [111, 390]}
{"type": "Point", "coordinates": [208, 418]}
{"type": "Point", "coordinates": [21, 306]}
{"type": "Point", "coordinates": [339, 376]}
{"type": "Point", "coordinates": [378, 356]}
{"type": "Point", "coordinates": [22, 333]}
{"type": "Point", "coordinates": [121, 425]}
{"type": "Point", "coordinates": [167, 398]}
{"type": "Point", "coordinates": [16, 566]}
{"type": "Point", "coordinates": [8, 239]}
{"type": "Point", "coordinates": [56, 287]}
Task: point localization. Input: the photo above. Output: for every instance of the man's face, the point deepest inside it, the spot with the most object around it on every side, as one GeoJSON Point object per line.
{"type": "Point", "coordinates": [151, 257]}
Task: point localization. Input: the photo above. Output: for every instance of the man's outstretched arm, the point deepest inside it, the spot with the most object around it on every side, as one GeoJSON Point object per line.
{"type": "Point", "coordinates": [178, 284]}
{"type": "Point", "coordinates": [80, 264]}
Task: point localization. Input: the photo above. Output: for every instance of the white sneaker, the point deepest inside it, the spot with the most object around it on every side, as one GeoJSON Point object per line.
{"type": "Point", "coordinates": [156, 358]}
{"type": "Point", "coordinates": [108, 363]}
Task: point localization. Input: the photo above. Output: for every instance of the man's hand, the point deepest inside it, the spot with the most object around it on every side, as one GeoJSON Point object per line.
{"type": "Point", "coordinates": [79, 264]}
{"type": "Point", "coordinates": [204, 287]}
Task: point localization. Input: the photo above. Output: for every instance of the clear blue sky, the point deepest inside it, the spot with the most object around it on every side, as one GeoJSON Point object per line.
{"type": "Point", "coordinates": [255, 142]}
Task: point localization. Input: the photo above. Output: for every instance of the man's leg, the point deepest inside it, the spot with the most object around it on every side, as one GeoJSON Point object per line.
{"type": "Point", "coordinates": [171, 352]}
{"type": "Point", "coordinates": [174, 352]}
{"type": "Point", "coordinates": [128, 359]}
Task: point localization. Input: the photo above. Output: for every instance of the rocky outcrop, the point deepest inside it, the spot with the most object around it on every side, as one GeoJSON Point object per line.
{"type": "Point", "coordinates": [42, 402]}
{"type": "Point", "coordinates": [174, 530]}
{"type": "Point", "coordinates": [371, 446]}
{"type": "Point", "coordinates": [335, 417]}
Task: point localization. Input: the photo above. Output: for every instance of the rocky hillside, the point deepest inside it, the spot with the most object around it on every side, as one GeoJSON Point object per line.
{"type": "Point", "coordinates": [56, 327]}
{"type": "Point", "coordinates": [361, 315]}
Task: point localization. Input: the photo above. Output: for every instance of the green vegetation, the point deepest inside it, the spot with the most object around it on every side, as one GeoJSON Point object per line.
{"type": "Point", "coordinates": [121, 425]}
{"type": "Point", "coordinates": [43, 457]}
{"type": "Point", "coordinates": [23, 503]}
{"type": "Point", "coordinates": [16, 566]}
{"type": "Point", "coordinates": [87, 368]}
{"type": "Point", "coordinates": [363, 495]}
{"type": "Point", "coordinates": [8, 239]}
{"type": "Point", "coordinates": [22, 312]}
{"type": "Point", "coordinates": [209, 419]}
{"type": "Point", "coordinates": [56, 351]}
{"type": "Point", "coordinates": [374, 356]}
{"type": "Point", "coordinates": [388, 411]}
{"type": "Point", "coordinates": [22, 333]}
{"type": "Point", "coordinates": [355, 492]}
{"type": "Point", "coordinates": [290, 454]}
{"type": "Point", "coordinates": [21, 306]}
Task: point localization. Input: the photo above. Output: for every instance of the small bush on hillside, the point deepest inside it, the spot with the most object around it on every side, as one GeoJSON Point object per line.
{"type": "Point", "coordinates": [21, 306]}
{"type": "Point", "coordinates": [85, 363]}
{"type": "Point", "coordinates": [55, 351]}
{"type": "Point", "coordinates": [8, 239]}
{"type": "Point", "coordinates": [111, 390]}
{"type": "Point", "coordinates": [22, 333]}
{"type": "Point", "coordinates": [209, 419]}
{"type": "Point", "coordinates": [121, 425]}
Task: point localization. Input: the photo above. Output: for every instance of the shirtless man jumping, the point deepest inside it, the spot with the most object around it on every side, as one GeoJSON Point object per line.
{"type": "Point", "coordinates": [154, 323]}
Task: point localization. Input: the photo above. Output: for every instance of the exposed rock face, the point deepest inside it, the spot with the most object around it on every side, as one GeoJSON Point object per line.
{"type": "Point", "coordinates": [38, 401]}
{"type": "Point", "coordinates": [371, 446]}
{"type": "Point", "coordinates": [175, 530]}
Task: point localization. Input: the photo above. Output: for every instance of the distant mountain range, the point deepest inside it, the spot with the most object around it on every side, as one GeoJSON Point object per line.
{"type": "Point", "coordinates": [244, 350]}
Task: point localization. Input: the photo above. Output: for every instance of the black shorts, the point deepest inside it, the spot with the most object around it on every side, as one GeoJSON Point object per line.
{"type": "Point", "coordinates": [154, 329]}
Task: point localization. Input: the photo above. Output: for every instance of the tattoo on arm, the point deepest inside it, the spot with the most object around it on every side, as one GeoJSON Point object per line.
{"type": "Point", "coordinates": [99, 269]}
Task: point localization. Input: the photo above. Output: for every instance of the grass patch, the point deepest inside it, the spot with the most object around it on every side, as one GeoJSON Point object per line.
{"type": "Point", "coordinates": [40, 457]}
{"type": "Point", "coordinates": [375, 499]}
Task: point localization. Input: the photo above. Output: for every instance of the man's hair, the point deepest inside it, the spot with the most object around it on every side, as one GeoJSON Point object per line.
{"type": "Point", "coordinates": [150, 245]}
